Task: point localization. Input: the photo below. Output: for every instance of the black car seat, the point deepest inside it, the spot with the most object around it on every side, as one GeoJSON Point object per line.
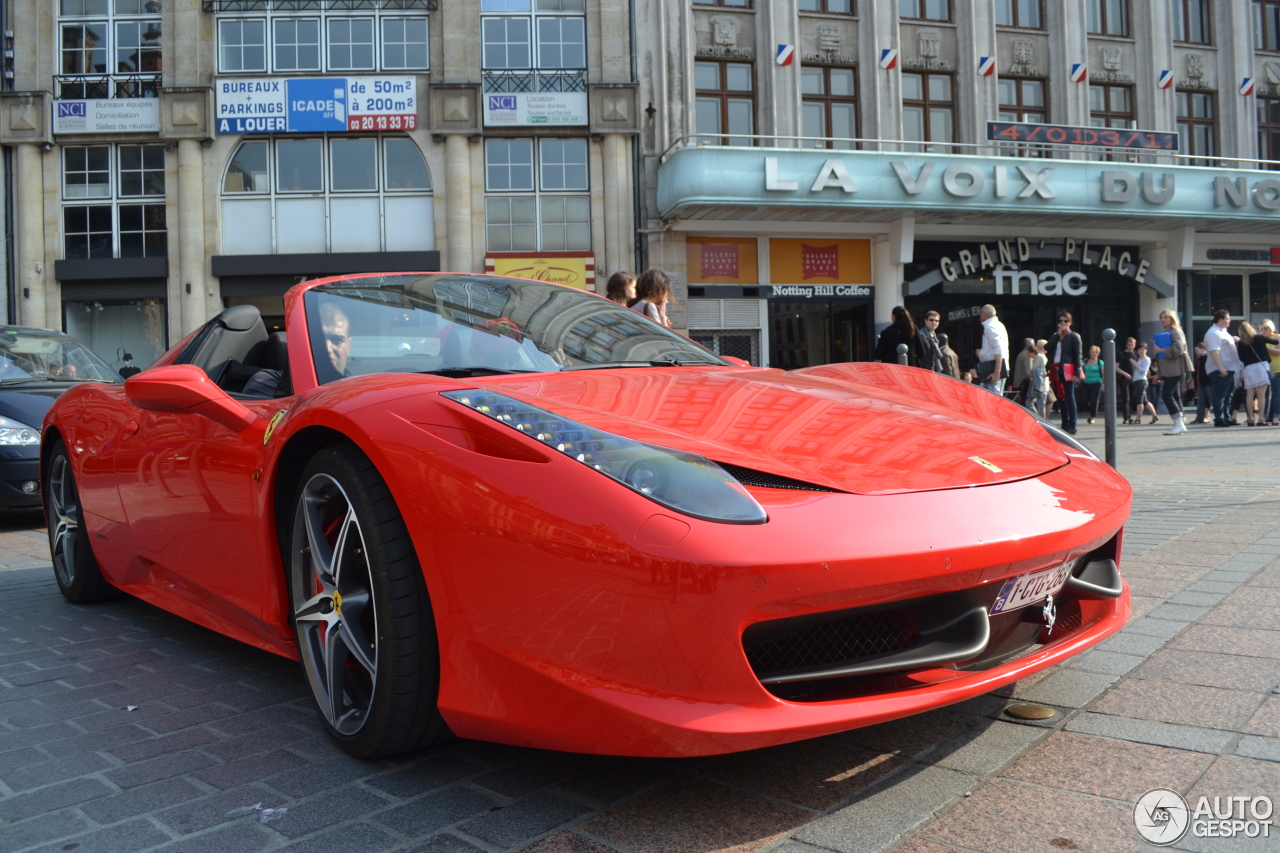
{"type": "Point", "coordinates": [233, 338]}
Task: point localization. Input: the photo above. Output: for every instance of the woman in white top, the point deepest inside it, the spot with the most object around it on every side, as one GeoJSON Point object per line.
{"type": "Point", "coordinates": [653, 292]}
{"type": "Point", "coordinates": [1141, 376]}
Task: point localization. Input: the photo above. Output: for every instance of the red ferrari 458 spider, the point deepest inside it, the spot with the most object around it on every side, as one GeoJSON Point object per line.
{"type": "Point", "coordinates": [522, 513]}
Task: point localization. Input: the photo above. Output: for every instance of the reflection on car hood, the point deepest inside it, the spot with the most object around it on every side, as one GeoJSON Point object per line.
{"type": "Point", "coordinates": [863, 428]}
{"type": "Point", "coordinates": [29, 403]}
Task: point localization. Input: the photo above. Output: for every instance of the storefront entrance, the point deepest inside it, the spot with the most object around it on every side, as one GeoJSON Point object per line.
{"type": "Point", "coordinates": [804, 333]}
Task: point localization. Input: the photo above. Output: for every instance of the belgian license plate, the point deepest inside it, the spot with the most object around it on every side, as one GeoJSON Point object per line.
{"type": "Point", "coordinates": [1031, 589]}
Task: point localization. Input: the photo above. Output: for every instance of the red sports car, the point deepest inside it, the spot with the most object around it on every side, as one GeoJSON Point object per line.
{"type": "Point", "coordinates": [522, 513]}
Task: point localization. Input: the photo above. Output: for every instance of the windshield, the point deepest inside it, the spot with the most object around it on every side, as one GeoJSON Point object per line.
{"type": "Point", "coordinates": [474, 324]}
{"type": "Point", "coordinates": [30, 355]}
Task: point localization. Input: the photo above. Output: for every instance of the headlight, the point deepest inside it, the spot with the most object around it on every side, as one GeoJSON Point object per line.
{"type": "Point", "coordinates": [684, 482]}
{"type": "Point", "coordinates": [1064, 437]}
{"type": "Point", "coordinates": [12, 432]}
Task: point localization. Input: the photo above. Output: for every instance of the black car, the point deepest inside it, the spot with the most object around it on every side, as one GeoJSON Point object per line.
{"type": "Point", "coordinates": [36, 366]}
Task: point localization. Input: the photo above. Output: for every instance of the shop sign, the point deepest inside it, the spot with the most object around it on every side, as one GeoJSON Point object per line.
{"type": "Point", "coordinates": [575, 269]}
{"type": "Point", "coordinates": [1006, 272]}
{"type": "Point", "coordinates": [812, 290]}
{"type": "Point", "coordinates": [721, 260]}
{"type": "Point", "coordinates": [813, 260]}
{"type": "Point", "coordinates": [1246, 256]}
{"type": "Point", "coordinates": [109, 115]}
{"type": "Point", "coordinates": [315, 104]}
{"type": "Point", "coordinates": [520, 109]}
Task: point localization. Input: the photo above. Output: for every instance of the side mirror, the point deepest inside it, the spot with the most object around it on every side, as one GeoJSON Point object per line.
{"type": "Point", "coordinates": [186, 388]}
{"type": "Point", "coordinates": [735, 360]}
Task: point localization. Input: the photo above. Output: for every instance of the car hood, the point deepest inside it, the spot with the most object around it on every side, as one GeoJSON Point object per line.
{"type": "Point", "coordinates": [28, 404]}
{"type": "Point", "coordinates": [864, 428]}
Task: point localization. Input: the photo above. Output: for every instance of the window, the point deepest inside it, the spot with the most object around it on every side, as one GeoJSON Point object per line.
{"type": "Point", "coordinates": [1023, 101]}
{"type": "Point", "coordinates": [829, 108]}
{"type": "Point", "coordinates": [1109, 17]}
{"type": "Point", "coordinates": [1196, 132]}
{"type": "Point", "coordinates": [1266, 24]}
{"type": "Point", "coordinates": [733, 4]}
{"type": "Point", "coordinates": [321, 36]}
{"type": "Point", "coordinates": [113, 202]}
{"type": "Point", "coordinates": [1111, 106]}
{"type": "Point", "coordinates": [928, 108]}
{"type": "Point", "coordinates": [109, 49]}
{"type": "Point", "coordinates": [829, 7]}
{"type": "Point", "coordinates": [1190, 20]}
{"type": "Point", "coordinates": [1018, 13]}
{"type": "Point", "coordinates": [925, 10]}
{"type": "Point", "coordinates": [536, 203]}
{"type": "Point", "coordinates": [340, 194]}
{"type": "Point", "coordinates": [726, 102]}
{"type": "Point", "coordinates": [1269, 131]}
{"type": "Point", "coordinates": [542, 50]}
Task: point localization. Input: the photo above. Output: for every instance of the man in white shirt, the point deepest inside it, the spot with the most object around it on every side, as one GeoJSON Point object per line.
{"type": "Point", "coordinates": [993, 355]}
{"type": "Point", "coordinates": [1222, 365]}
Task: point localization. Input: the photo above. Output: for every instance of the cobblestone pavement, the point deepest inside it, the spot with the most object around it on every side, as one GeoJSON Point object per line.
{"type": "Point", "coordinates": [123, 728]}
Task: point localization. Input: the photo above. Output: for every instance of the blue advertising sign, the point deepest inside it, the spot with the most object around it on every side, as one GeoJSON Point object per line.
{"type": "Point", "coordinates": [316, 104]}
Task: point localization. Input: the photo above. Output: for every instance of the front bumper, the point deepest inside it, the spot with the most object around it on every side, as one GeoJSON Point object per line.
{"type": "Point", "coordinates": [18, 467]}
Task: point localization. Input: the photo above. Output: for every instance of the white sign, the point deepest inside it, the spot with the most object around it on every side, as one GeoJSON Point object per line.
{"type": "Point", "coordinates": [810, 290]}
{"type": "Point", "coordinates": [109, 115]}
{"type": "Point", "coordinates": [315, 104]}
{"type": "Point", "coordinates": [506, 110]}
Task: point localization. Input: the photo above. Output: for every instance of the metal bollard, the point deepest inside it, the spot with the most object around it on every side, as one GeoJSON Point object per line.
{"type": "Point", "coordinates": [1109, 392]}
{"type": "Point", "coordinates": [902, 354]}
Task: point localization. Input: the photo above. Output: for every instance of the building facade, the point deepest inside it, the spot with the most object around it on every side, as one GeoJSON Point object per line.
{"type": "Point", "coordinates": [175, 157]}
{"type": "Point", "coordinates": [810, 164]}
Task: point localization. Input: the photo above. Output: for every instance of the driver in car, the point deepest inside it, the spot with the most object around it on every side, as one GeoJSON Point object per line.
{"type": "Point", "coordinates": [336, 328]}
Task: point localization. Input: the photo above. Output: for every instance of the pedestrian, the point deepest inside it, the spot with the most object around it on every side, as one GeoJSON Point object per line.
{"type": "Point", "coordinates": [1066, 369]}
{"type": "Point", "coordinates": [901, 331]}
{"type": "Point", "coordinates": [1222, 366]}
{"type": "Point", "coordinates": [1038, 389]}
{"type": "Point", "coordinates": [951, 361]}
{"type": "Point", "coordinates": [930, 348]}
{"type": "Point", "coordinates": [1268, 328]}
{"type": "Point", "coordinates": [1172, 364]}
{"type": "Point", "coordinates": [1022, 371]}
{"type": "Point", "coordinates": [993, 355]}
{"type": "Point", "coordinates": [1141, 381]}
{"type": "Point", "coordinates": [1124, 375]}
{"type": "Point", "coordinates": [1093, 381]}
{"type": "Point", "coordinates": [1204, 385]}
{"type": "Point", "coordinates": [653, 292]}
{"type": "Point", "coordinates": [1252, 349]}
{"type": "Point", "coordinates": [621, 288]}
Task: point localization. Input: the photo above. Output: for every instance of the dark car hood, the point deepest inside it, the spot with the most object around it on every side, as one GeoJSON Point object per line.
{"type": "Point", "coordinates": [864, 428]}
{"type": "Point", "coordinates": [29, 403]}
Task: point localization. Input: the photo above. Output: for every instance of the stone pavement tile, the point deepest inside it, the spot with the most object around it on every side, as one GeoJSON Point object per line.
{"type": "Point", "coordinates": [537, 771]}
{"type": "Point", "coordinates": [1120, 770]}
{"type": "Point", "coordinates": [1210, 670]}
{"type": "Point", "coordinates": [1214, 586]}
{"type": "Point", "coordinates": [1197, 598]}
{"type": "Point", "coordinates": [1261, 596]}
{"type": "Point", "coordinates": [859, 828]}
{"type": "Point", "coordinates": [1266, 748]}
{"type": "Point", "coordinates": [524, 820]}
{"type": "Point", "coordinates": [993, 747]}
{"type": "Point", "coordinates": [240, 724]}
{"type": "Point", "coordinates": [442, 843]}
{"type": "Point", "coordinates": [569, 842]}
{"type": "Point", "coordinates": [1182, 704]}
{"type": "Point", "coordinates": [438, 810]}
{"type": "Point", "coordinates": [249, 836]}
{"type": "Point", "coordinates": [1128, 643]}
{"type": "Point", "coordinates": [148, 798]}
{"type": "Point", "coordinates": [1108, 663]}
{"type": "Point", "coordinates": [40, 714]}
{"type": "Point", "coordinates": [692, 815]}
{"type": "Point", "coordinates": [1145, 605]}
{"type": "Point", "coordinates": [22, 806]}
{"type": "Point", "coordinates": [122, 838]}
{"type": "Point", "coordinates": [1243, 616]}
{"type": "Point", "coordinates": [42, 829]}
{"type": "Point", "coordinates": [1005, 816]}
{"type": "Point", "coordinates": [326, 810]}
{"type": "Point", "coordinates": [263, 740]}
{"type": "Point", "coordinates": [609, 780]}
{"type": "Point", "coordinates": [817, 774]}
{"type": "Point", "coordinates": [323, 775]}
{"type": "Point", "coordinates": [1068, 688]}
{"type": "Point", "coordinates": [58, 770]}
{"type": "Point", "coordinates": [1237, 641]}
{"type": "Point", "coordinates": [921, 845]}
{"type": "Point", "coordinates": [353, 838]}
{"type": "Point", "coordinates": [208, 812]}
{"type": "Point", "coordinates": [1160, 587]}
{"type": "Point", "coordinates": [1266, 720]}
{"type": "Point", "coordinates": [1145, 731]}
{"type": "Point", "coordinates": [224, 776]}
{"type": "Point", "coordinates": [435, 772]}
{"type": "Point", "coordinates": [187, 718]}
{"type": "Point", "coordinates": [161, 745]}
{"type": "Point", "coordinates": [1155, 627]}
{"type": "Point", "coordinates": [912, 736]}
{"type": "Point", "coordinates": [1233, 775]}
{"type": "Point", "coordinates": [152, 770]}
{"type": "Point", "coordinates": [1177, 612]}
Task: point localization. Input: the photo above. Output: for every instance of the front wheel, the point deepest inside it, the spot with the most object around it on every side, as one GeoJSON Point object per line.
{"type": "Point", "coordinates": [365, 632]}
{"type": "Point", "coordinates": [74, 566]}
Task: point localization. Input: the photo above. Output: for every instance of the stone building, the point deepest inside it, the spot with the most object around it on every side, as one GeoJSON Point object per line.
{"type": "Point", "coordinates": [175, 157]}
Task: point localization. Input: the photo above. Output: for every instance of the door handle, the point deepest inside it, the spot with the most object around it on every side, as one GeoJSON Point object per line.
{"type": "Point", "coordinates": [131, 429]}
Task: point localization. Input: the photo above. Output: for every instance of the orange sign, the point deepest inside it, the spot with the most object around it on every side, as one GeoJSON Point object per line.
{"type": "Point", "coordinates": [721, 260]}
{"type": "Point", "coordinates": [576, 269]}
{"type": "Point", "coordinates": [810, 260]}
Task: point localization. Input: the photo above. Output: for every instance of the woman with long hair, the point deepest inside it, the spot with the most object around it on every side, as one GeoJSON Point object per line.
{"type": "Point", "coordinates": [901, 331]}
{"type": "Point", "coordinates": [653, 293]}
{"type": "Point", "coordinates": [1268, 328]}
{"type": "Point", "coordinates": [621, 288]}
{"type": "Point", "coordinates": [1256, 378]}
{"type": "Point", "coordinates": [1173, 363]}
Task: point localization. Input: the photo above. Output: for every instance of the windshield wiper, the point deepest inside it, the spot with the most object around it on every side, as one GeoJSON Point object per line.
{"type": "Point", "coordinates": [655, 362]}
{"type": "Point", "coordinates": [19, 380]}
{"type": "Point", "coordinates": [468, 372]}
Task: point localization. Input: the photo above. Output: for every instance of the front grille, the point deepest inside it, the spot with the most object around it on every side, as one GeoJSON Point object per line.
{"type": "Point", "coordinates": [789, 645]}
{"type": "Point", "coordinates": [1069, 620]}
{"type": "Point", "coordinates": [751, 477]}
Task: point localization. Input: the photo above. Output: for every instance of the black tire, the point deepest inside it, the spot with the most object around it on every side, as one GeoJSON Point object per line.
{"type": "Point", "coordinates": [361, 611]}
{"type": "Point", "coordinates": [74, 566]}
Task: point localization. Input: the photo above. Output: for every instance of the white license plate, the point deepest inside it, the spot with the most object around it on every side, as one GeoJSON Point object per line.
{"type": "Point", "coordinates": [1031, 589]}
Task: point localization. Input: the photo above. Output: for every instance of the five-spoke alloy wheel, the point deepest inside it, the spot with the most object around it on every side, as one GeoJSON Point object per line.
{"type": "Point", "coordinates": [74, 566]}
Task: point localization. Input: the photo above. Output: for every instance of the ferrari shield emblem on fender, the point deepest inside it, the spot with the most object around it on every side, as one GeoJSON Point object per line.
{"type": "Point", "coordinates": [271, 427]}
{"type": "Point", "coordinates": [985, 464]}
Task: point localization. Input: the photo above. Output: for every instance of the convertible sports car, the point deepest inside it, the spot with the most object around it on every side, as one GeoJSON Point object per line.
{"type": "Point", "coordinates": [522, 513]}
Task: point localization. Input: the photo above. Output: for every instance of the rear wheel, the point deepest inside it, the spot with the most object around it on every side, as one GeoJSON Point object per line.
{"type": "Point", "coordinates": [74, 566]}
{"type": "Point", "coordinates": [366, 635]}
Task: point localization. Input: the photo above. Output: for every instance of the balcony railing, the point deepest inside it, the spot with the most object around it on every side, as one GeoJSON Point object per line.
{"type": "Point", "coordinates": [318, 5]}
{"type": "Point", "coordinates": [102, 86]}
{"type": "Point", "coordinates": [529, 80]}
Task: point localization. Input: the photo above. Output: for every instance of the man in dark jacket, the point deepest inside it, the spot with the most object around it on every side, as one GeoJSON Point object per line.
{"type": "Point", "coordinates": [1066, 369]}
{"type": "Point", "coordinates": [930, 350]}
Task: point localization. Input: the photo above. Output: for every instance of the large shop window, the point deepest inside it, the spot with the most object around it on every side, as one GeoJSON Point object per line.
{"type": "Point", "coordinates": [113, 202]}
{"type": "Point", "coordinates": [281, 36]}
{"type": "Point", "coordinates": [536, 203]}
{"type": "Point", "coordinates": [1108, 17]}
{"type": "Point", "coordinates": [925, 10]}
{"type": "Point", "coordinates": [1190, 21]}
{"type": "Point", "coordinates": [1019, 13]}
{"type": "Point", "coordinates": [533, 48]}
{"type": "Point", "coordinates": [726, 101]}
{"type": "Point", "coordinates": [1266, 25]}
{"type": "Point", "coordinates": [123, 325]}
{"type": "Point", "coordinates": [1264, 297]}
{"type": "Point", "coordinates": [1197, 129]}
{"type": "Point", "coordinates": [1269, 132]}
{"type": "Point", "coordinates": [829, 109]}
{"type": "Point", "coordinates": [108, 49]}
{"type": "Point", "coordinates": [928, 109]}
{"type": "Point", "coordinates": [340, 194]}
